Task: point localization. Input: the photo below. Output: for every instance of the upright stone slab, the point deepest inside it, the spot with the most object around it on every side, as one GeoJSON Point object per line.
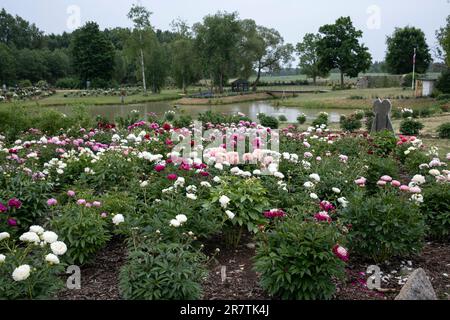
{"type": "Point", "coordinates": [382, 120]}
{"type": "Point", "coordinates": [418, 287]}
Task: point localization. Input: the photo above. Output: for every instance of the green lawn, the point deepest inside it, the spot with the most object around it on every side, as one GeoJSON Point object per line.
{"type": "Point", "coordinates": [345, 99]}
{"type": "Point", "coordinates": [58, 99]}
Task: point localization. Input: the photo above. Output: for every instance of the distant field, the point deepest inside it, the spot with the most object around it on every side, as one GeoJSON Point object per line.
{"type": "Point", "coordinates": [334, 77]}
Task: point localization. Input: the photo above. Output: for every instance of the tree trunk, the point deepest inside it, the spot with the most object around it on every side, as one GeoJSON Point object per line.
{"type": "Point", "coordinates": [144, 83]}
{"type": "Point", "coordinates": [315, 79]}
{"type": "Point", "coordinates": [255, 85]}
{"type": "Point", "coordinates": [342, 80]}
{"type": "Point", "coordinates": [184, 86]}
{"type": "Point", "coordinates": [221, 83]}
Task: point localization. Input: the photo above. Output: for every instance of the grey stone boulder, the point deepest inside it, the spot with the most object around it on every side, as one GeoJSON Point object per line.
{"type": "Point", "coordinates": [418, 287]}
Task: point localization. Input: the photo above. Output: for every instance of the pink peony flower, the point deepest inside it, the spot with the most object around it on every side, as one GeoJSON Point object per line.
{"type": "Point", "coordinates": [88, 205]}
{"type": "Point", "coordinates": [327, 206]}
{"type": "Point", "coordinates": [12, 222]}
{"type": "Point", "coordinates": [361, 182]}
{"type": "Point", "coordinates": [52, 202]}
{"type": "Point", "coordinates": [104, 215]}
{"type": "Point", "coordinates": [381, 183]}
{"type": "Point", "coordinates": [81, 202]}
{"type": "Point", "coordinates": [386, 178]}
{"type": "Point", "coordinates": [322, 216]}
{"type": "Point", "coordinates": [404, 188]}
{"type": "Point", "coordinates": [71, 193]}
{"type": "Point", "coordinates": [396, 183]}
{"type": "Point", "coordinates": [172, 177]}
{"type": "Point", "coordinates": [15, 203]}
{"type": "Point", "coordinates": [275, 213]}
{"type": "Point", "coordinates": [97, 204]}
{"type": "Point", "coordinates": [415, 190]}
{"type": "Point", "coordinates": [341, 253]}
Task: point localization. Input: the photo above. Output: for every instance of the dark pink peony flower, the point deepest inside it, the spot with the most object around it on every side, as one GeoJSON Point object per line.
{"type": "Point", "coordinates": [172, 177]}
{"type": "Point", "coordinates": [3, 208]}
{"type": "Point", "coordinates": [327, 206]}
{"type": "Point", "coordinates": [12, 222]}
{"type": "Point", "coordinates": [275, 213]}
{"type": "Point", "coordinates": [15, 203]}
{"type": "Point", "coordinates": [159, 168]}
{"type": "Point", "coordinates": [341, 253]}
{"type": "Point", "coordinates": [322, 216]}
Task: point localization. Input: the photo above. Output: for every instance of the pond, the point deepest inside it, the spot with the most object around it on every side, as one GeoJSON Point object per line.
{"type": "Point", "coordinates": [250, 109]}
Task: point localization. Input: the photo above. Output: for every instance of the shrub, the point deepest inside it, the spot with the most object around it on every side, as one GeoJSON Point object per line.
{"type": "Point", "coordinates": [443, 83]}
{"type": "Point", "coordinates": [68, 83]}
{"type": "Point", "coordinates": [444, 131]}
{"type": "Point", "coordinates": [322, 119]}
{"type": "Point", "coordinates": [268, 121]}
{"type": "Point", "coordinates": [384, 143]}
{"type": "Point", "coordinates": [162, 272]}
{"type": "Point", "coordinates": [247, 200]}
{"type": "Point", "coordinates": [350, 123]}
{"type": "Point", "coordinates": [443, 97]}
{"type": "Point", "coordinates": [369, 120]}
{"type": "Point", "coordinates": [169, 116]}
{"type": "Point", "coordinates": [436, 210]}
{"type": "Point", "coordinates": [378, 167]}
{"type": "Point", "coordinates": [38, 279]}
{"type": "Point", "coordinates": [296, 260]}
{"type": "Point", "coordinates": [301, 119]}
{"type": "Point", "coordinates": [411, 127]}
{"type": "Point", "coordinates": [184, 121]}
{"type": "Point", "coordinates": [282, 118]}
{"type": "Point", "coordinates": [384, 226]}
{"type": "Point", "coordinates": [84, 231]}
{"type": "Point", "coordinates": [24, 83]}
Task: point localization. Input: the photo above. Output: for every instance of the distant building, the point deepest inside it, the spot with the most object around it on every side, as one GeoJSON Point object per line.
{"type": "Point", "coordinates": [424, 87]}
{"type": "Point", "coordinates": [240, 85]}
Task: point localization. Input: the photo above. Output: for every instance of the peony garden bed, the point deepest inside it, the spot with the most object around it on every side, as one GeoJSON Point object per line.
{"type": "Point", "coordinates": [126, 211]}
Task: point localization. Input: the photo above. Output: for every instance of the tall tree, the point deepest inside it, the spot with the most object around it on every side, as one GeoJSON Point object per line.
{"type": "Point", "coordinates": [309, 58]}
{"type": "Point", "coordinates": [339, 48]}
{"type": "Point", "coordinates": [92, 53]}
{"type": "Point", "coordinates": [217, 41]}
{"type": "Point", "coordinates": [184, 58]}
{"type": "Point", "coordinates": [400, 51]}
{"type": "Point", "coordinates": [141, 19]}
{"type": "Point", "coordinates": [7, 65]}
{"type": "Point", "coordinates": [443, 36]}
{"type": "Point", "coordinates": [266, 47]}
{"type": "Point", "coordinates": [18, 32]}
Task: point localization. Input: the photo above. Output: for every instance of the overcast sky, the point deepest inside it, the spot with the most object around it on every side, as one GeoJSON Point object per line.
{"type": "Point", "coordinates": [293, 18]}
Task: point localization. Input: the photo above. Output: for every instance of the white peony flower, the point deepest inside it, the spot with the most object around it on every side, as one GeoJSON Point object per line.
{"type": "Point", "coordinates": [218, 166]}
{"type": "Point", "coordinates": [118, 219]}
{"type": "Point", "coordinates": [308, 185]}
{"type": "Point", "coordinates": [315, 177]}
{"type": "Point", "coordinates": [37, 229]}
{"type": "Point", "coordinates": [205, 184]}
{"type": "Point", "coordinates": [58, 248]}
{"type": "Point", "coordinates": [224, 200]}
{"type": "Point", "coordinates": [278, 175]}
{"type": "Point", "coordinates": [336, 190]}
{"type": "Point", "coordinates": [191, 196]}
{"type": "Point", "coordinates": [52, 259]}
{"type": "Point", "coordinates": [4, 235]}
{"type": "Point", "coordinates": [30, 237]}
{"type": "Point", "coordinates": [230, 214]}
{"type": "Point", "coordinates": [144, 184]}
{"type": "Point", "coordinates": [343, 201]}
{"type": "Point", "coordinates": [314, 196]}
{"type": "Point", "coordinates": [49, 237]}
{"type": "Point", "coordinates": [257, 172]}
{"type": "Point", "coordinates": [434, 173]}
{"type": "Point", "coordinates": [2, 258]}
{"type": "Point", "coordinates": [418, 179]}
{"type": "Point", "coordinates": [217, 179]}
{"type": "Point", "coordinates": [181, 218]}
{"type": "Point", "coordinates": [21, 273]}
{"type": "Point", "coordinates": [175, 223]}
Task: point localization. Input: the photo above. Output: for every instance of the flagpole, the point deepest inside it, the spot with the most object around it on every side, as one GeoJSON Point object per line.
{"type": "Point", "coordinates": [414, 70]}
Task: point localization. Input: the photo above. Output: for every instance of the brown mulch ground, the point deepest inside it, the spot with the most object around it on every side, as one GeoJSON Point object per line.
{"type": "Point", "coordinates": [99, 279]}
